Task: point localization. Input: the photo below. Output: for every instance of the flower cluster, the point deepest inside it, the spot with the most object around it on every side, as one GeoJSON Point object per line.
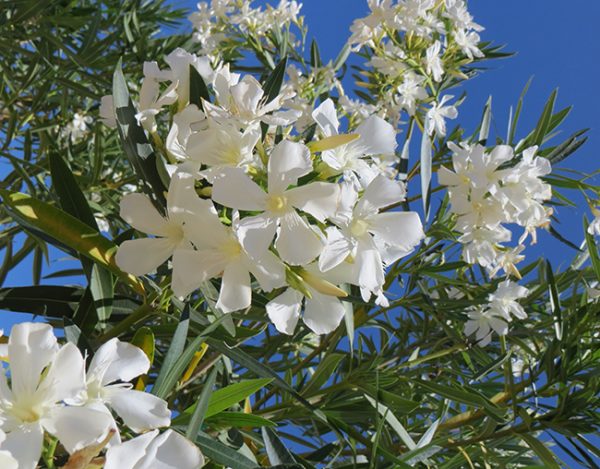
{"type": "Point", "coordinates": [489, 189]}
{"type": "Point", "coordinates": [51, 392]}
{"type": "Point", "coordinates": [303, 216]}
{"type": "Point", "coordinates": [77, 129]}
{"type": "Point", "coordinates": [497, 313]}
{"type": "Point", "coordinates": [218, 21]}
{"type": "Point", "coordinates": [414, 46]}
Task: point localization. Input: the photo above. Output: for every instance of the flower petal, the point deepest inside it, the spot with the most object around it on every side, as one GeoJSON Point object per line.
{"type": "Point", "coordinates": [236, 190]}
{"type": "Point", "coordinates": [380, 193]}
{"type": "Point", "coordinates": [128, 454]}
{"type": "Point", "coordinates": [288, 162]}
{"type": "Point", "coordinates": [65, 378]}
{"type": "Point", "coordinates": [268, 270]}
{"type": "Point", "coordinates": [320, 199]}
{"type": "Point", "coordinates": [377, 137]}
{"type": "Point", "coordinates": [337, 249]}
{"type": "Point", "coordinates": [77, 427]}
{"type": "Point", "coordinates": [323, 313]}
{"type": "Point", "coordinates": [326, 118]}
{"type": "Point", "coordinates": [235, 291]}
{"type": "Point", "coordinates": [31, 347]}
{"type": "Point", "coordinates": [369, 265]}
{"type": "Point", "coordinates": [25, 445]}
{"type": "Point", "coordinates": [256, 234]}
{"type": "Point", "coordinates": [120, 361]}
{"type": "Point", "coordinates": [172, 451]}
{"type": "Point", "coordinates": [138, 211]}
{"type": "Point", "coordinates": [297, 243]}
{"type": "Point", "coordinates": [141, 256]}
{"type": "Point", "coordinates": [284, 311]}
{"type": "Point", "coordinates": [191, 268]}
{"type": "Point", "coordinates": [403, 229]}
{"type": "Point", "coordinates": [140, 410]}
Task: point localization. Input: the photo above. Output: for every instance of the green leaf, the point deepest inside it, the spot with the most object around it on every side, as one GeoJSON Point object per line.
{"type": "Point", "coordinates": [315, 56]}
{"type": "Point", "coordinates": [45, 300]}
{"type": "Point", "coordinates": [276, 449]}
{"type": "Point", "coordinates": [466, 397]}
{"type": "Point", "coordinates": [540, 449]}
{"type": "Point", "coordinates": [592, 249]}
{"type": "Point", "coordinates": [133, 139]}
{"type": "Point", "coordinates": [175, 350]}
{"type": "Point", "coordinates": [426, 156]}
{"type": "Point", "coordinates": [202, 404]}
{"type": "Point", "coordinates": [555, 308]}
{"type": "Point", "coordinates": [224, 398]}
{"type": "Point", "coordinates": [198, 89]}
{"type": "Point", "coordinates": [73, 202]}
{"type": "Point", "coordinates": [484, 129]}
{"type": "Point", "coordinates": [272, 85]}
{"type": "Point", "coordinates": [238, 419]}
{"type": "Point", "coordinates": [341, 58]}
{"type": "Point", "coordinates": [68, 230]}
{"type": "Point", "coordinates": [323, 372]}
{"type": "Point", "coordinates": [542, 127]}
{"type": "Point", "coordinates": [222, 454]}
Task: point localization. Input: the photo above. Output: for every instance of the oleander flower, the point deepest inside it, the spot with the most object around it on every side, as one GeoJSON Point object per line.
{"type": "Point", "coordinates": [371, 238]}
{"type": "Point", "coordinates": [43, 376]}
{"type": "Point", "coordinates": [113, 365]}
{"type": "Point", "coordinates": [185, 215]}
{"type": "Point", "coordinates": [168, 450]}
{"type": "Point", "coordinates": [296, 241]}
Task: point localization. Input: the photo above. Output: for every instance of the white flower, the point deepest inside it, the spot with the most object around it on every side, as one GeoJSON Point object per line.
{"type": "Point", "coordinates": [468, 43]}
{"type": "Point", "coordinates": [179, 62]}
{"type": "Point", "coordinates": [411, 91]}
{"type": "Point", "coordinates": [503, 302]}
{"type": "Point", "coordinates": [43, 376]}
{"type": "Point", "coordinates": [437, 115]}
{"type": "Point", "coordinates": [152, 101]}
{"type": "Point", "coordinates": [482, 323]}
{"type": "Point", "coordinates": [457, 11]}
{"type": "Point", "coordinates": [373, 239]}
{"type": "Point", "coordinates": [594, 226]}
{"type": "Point", "coordinates": [113, 365]}
{"type": "Point", "coordinates": [243, 101]}
{"type": "Point", "coordinates": [297, 243]}
{"type": "Point", "coordinates": [220, 252]}
{"type": "Point", "coordinates": [77, 128]}
{"type": "Point", "coordinates": [222, 144]}
{"type": "Point", "coordinates": [433, 62]}
{"type": "Point", "coordinates": [107, 111]}
{"type": "Point", "coordinates": [189, 120]}
{"type": "Point", "coordinates": [376, 137]}
{"type": "Point", "coordinates": [7, 461]}
{"type": "Point", "coordinates": [168, 450]}
{"type": "Point", "coordinates": [323, 310]}
{"type": "Point", "coordinates": [185, 214]}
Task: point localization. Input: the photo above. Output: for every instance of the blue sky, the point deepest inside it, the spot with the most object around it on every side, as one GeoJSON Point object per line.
{"type": "Point", "coordinates": [556, 43]}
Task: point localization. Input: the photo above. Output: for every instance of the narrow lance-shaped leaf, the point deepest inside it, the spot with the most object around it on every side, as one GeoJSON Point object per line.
{"type": "Point", "coordinates": [134, 141]}
{"type": "Point", "coordinates": [484, 130]}
{"type": "Point", "coordinates": [70, 232]}
{"type": "Point", "coordinates": [202, 404]}
{"type": "Point", "coordinates": [426, 155]}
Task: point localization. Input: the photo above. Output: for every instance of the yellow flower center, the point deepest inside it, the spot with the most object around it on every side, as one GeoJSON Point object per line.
{"type": "Point", "coordinates": [231, 249]}
{"type": "Point", "coordinates": [277, 203]}
{"type": "Point", "coordinates": [359, 228]}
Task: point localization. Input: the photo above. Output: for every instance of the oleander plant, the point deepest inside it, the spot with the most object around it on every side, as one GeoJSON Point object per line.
{"type": "Point", "coordinates": [242, 254]}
